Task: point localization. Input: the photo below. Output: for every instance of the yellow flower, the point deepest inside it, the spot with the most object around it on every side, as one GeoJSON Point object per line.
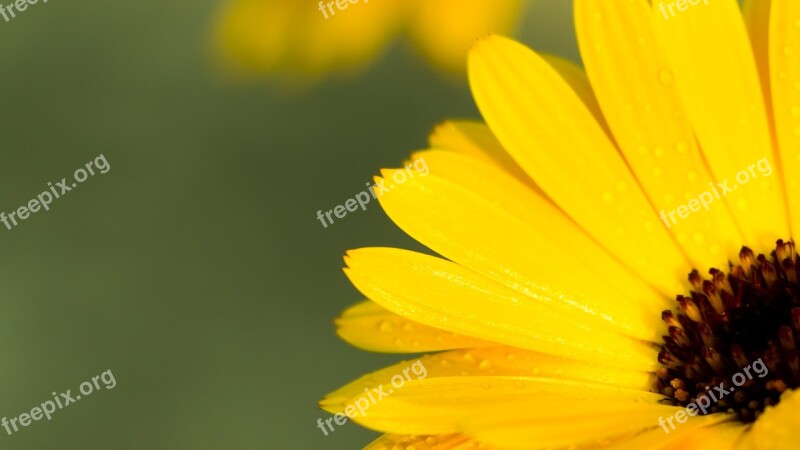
{"type": "Point", "coordinates": [566, 227]}
{"type": "Point", "coordinates": [308, 38]}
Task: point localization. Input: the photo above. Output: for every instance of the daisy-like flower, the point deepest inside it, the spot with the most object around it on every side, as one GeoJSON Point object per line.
{"type": "Point", "coordinates": [310, 39]}
{"type": "Point", "coordinates": [564, 310]}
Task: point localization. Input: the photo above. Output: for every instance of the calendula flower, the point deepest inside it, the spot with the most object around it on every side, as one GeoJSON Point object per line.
{"type": "Point", "coordinates": [310, 39]}
{"type": "Point", "coordinates": [559, 313]}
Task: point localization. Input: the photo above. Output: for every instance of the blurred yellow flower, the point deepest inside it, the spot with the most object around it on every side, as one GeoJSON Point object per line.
{"type": "Point", "coordinates": [310, 39]}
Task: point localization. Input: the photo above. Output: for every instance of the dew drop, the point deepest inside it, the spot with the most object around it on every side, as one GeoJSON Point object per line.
{"type": "Point", "coordinates": [692, 176]}
{"type": "Point", "coordinates": [658, 171]}
{"type": "Point", "coordinates": [659, 152]}
{"type": "Point", "coordinates": [408, 327]}
{"type": "Point", "coordinates": [485, 365]}
{"type": "Point", "coordinates": [386, 327]}
{"type": "Point", "coordinates": [682, 147]}
{"type": "Point", "coordinates": [608, 197]}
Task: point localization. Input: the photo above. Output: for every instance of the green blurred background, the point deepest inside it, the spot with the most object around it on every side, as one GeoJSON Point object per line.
{"type": "Point", "coordinates": [195, 269]}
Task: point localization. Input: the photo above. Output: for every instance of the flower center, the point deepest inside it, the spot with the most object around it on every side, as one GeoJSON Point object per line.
{"type": "Point", "coordinates": [732, 345]}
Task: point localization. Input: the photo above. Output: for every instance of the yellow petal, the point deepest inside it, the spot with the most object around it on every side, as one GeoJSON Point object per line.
{"type": "Point", "coordinates": [777, 426]}
{"type": "Point", "coordinates": [497, 361]}
{"type": "Point", "coordinates": [475, 139]}
{"type": "Point", "coordinates": [656, 438]}
{"type": "Point", "coordinates": [440, 405]}
{"type": "Point", "coordinates": [445, 295]}
{"type": "Point", "coordinates": [638, 96]}
{"type": "Point", "coordinates": [474, 232]}
{"type": "Point", "coordinates": [579, 82]}
{"type": "Point", "coordinates": [438, 442]}
{"type": "Point", "coordinates": [534, 209]}
{"type": "Point", "coordinates": [550, 133]}
{"type": "Point", "coordinates": [723, 436]}
{"type": "Point", "coordinates": [557, 427]}
{"type": "Point", "coordinates": [370, 327]}
{"type": "Point", "coordinates": [756, 18]}
{"type": "Point", "coordinates": [784, 48]}
{"type": "Point", "coordinates": [715, 72]}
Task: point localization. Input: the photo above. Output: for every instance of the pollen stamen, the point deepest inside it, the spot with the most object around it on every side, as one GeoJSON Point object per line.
{"type": "Point", "coordinates": [729, 322]}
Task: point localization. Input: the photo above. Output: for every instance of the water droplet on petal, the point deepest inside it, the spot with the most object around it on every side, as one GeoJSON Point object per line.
{"type": "Point", "coordinates": [485, 365]}
{"type": "Point", "coordinates": [386, 326]}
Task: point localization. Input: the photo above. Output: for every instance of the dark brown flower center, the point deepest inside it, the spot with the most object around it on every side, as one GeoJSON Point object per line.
{"type": "Point", "coordinates": [733, 343]}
